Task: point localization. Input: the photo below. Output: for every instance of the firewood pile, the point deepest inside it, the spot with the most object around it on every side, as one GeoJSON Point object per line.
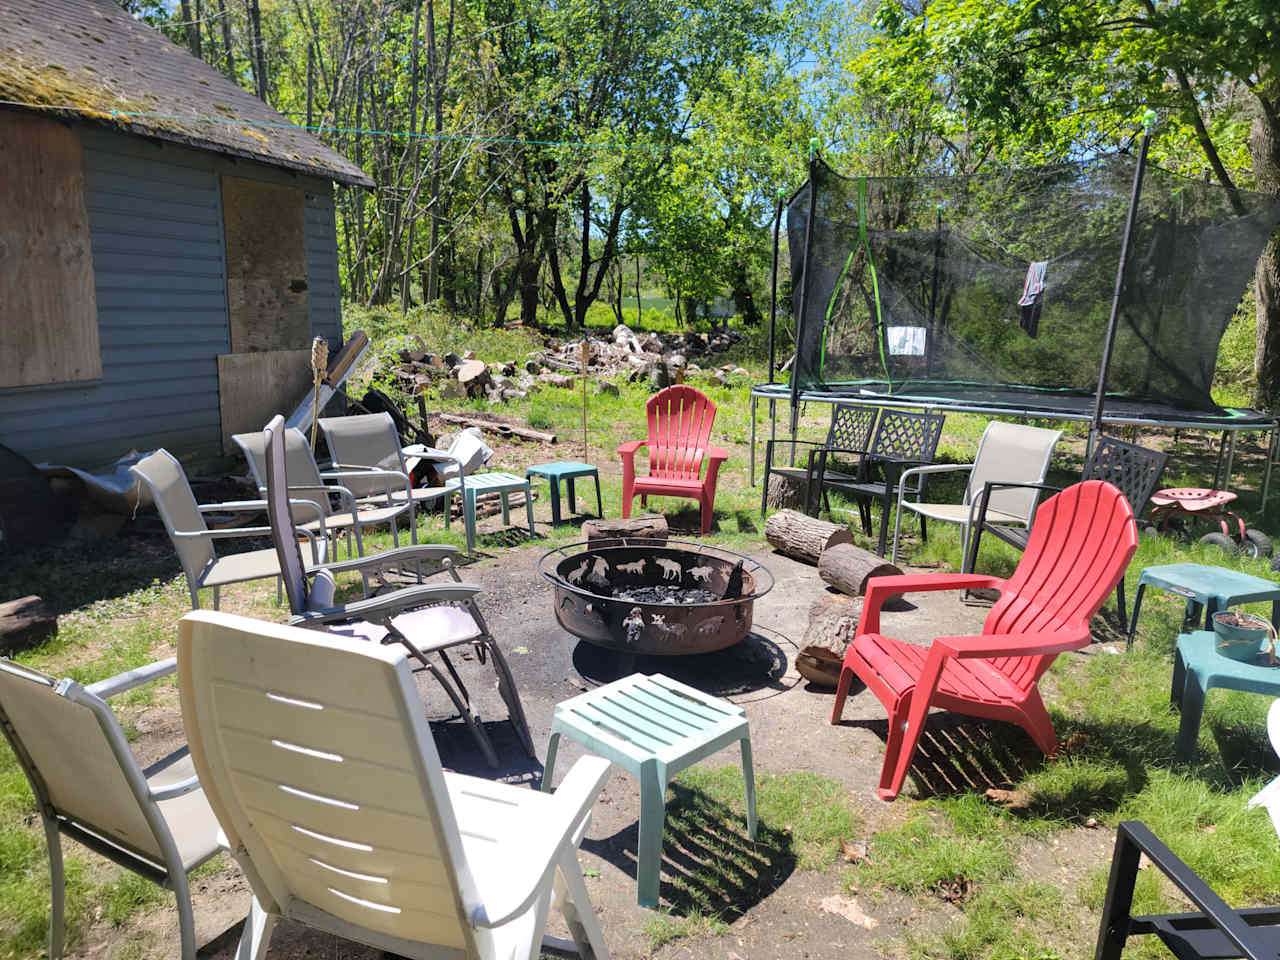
{"type": "Point", "coordinates": [658, 359]}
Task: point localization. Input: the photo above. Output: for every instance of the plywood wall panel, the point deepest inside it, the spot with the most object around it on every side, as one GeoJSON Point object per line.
{"type": "Point", "coordinates": [48, 311]}
{"type": "Point", "coordinates": [267, 287]}
{"type": "Point", "coordinates": [254, 387]}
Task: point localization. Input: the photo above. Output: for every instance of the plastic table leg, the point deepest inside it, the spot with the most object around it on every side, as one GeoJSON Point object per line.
{"type": "Point", "coordinates": [573, 500]}
{"type": "Point", "coordinates": [549, 767]}
{"type": "Point", "coordinates": [555, 500]}
{"type": "Point", "coordinates": [600, 506]}
{"type": "Point", "coordinates": [749, 786]}
{"type": "Point", "coordinates": [506, 508]}
{"type": "Point", "coordinates": [653, 818]}
{"type": "Point", "coordinates": [1193, 697]}
{"type": "Point", "coordinates": [1133, 620]}
{"type": "Point", "coordinates": [528, 506]}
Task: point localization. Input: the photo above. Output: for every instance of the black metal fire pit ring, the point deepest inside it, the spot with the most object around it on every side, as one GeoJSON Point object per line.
{"type": "Point", "coordinates": [698, 604]}
{"type": "Point", "coordinates": [753, 567]}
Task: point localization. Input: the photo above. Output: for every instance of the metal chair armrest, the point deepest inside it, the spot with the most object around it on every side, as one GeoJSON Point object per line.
{"type": "Point", "coordinates": [179, 789]}
{"type": "Point", "coordinates": [388, 605]}
{"type": "Point", "coordinates": [130, 679]}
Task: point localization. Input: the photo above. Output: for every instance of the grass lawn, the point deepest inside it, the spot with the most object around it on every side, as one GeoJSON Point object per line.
{"type": "Point", "coordinates": [118, 601]}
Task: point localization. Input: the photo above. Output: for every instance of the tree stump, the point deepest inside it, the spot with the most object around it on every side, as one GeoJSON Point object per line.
{"type": "Point", "coordinates": [25, 623]}
{"type": "Point", "coordinates": [848, 568]}
{"type": "Point", "coordinates": [802, 537]}
{"type": "Point", "coordinates": [650, 526]}
{"type": "Point", "coordinates": [473, 375]}
{"type": "Point", "coordinates": [787, 492]}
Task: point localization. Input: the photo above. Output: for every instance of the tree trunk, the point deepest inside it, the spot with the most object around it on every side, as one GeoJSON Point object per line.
{"type": "Point", "coordinates": [802, 537]}
{"type": "Point", "coordinates": [191, 28]}
{"type": "Point", "coordinates": [1264, 145]}
{"type": "Point", "coordinates": [228, 53]}
{"type": "Point", "coordinates": [848, 568]}
{"type": "Point", "coordinates": [257, 56]}
{"type": "Point", "coordinates": [743, 302]}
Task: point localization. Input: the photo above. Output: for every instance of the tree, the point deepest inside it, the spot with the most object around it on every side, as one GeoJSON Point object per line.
{"type": "Point", "coordinates": [1035, 80]}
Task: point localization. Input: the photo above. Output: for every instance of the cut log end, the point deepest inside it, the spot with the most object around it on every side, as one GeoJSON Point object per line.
{"type": "Point", "coordinates": [648, 527]}
{"type": "Point", "coordinates": [847, 568]}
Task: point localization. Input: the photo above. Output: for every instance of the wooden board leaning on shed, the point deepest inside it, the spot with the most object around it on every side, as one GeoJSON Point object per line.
{"type": "Point", "coordinates": [48, 308]}
{"type": "Point", "coordinates": [267, 294]}
{"type": "Point", "coordinates": [254, 387]}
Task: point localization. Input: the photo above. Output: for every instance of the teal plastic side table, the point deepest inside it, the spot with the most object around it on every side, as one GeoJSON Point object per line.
{"type": "Point", "coordinates": [567, 470]}
{"type": "Point", "coordinates": [1198, 668]}
{"type": "Point", "coordinates": [1205, 588]}
{"type": "Point", "coordinates": [653, 727]}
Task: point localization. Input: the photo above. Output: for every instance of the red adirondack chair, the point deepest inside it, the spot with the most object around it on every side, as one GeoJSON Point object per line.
{"type": "Point", "coordinates": [1081, 542]}
{"type": "Point", "coordinates": [680, 420]}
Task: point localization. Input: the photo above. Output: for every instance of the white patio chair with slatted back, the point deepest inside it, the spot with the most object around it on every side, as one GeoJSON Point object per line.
{"type": "Point", "coordinates": [424, 619]}
{"type": "Point", "coordinates": [88, 786]}
{"type": "Point", "coordinates": [1009, 452]}
{"type": "Point", "coordinates": [316, 757]}
{"type": "Point", "coordinates": [183, 518]}
{"type": "Point", "coordinates": [307, 479]}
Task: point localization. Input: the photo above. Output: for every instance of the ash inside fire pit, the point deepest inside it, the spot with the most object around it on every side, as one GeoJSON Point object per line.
{"type": "Point", "coordinates": [661, 594]}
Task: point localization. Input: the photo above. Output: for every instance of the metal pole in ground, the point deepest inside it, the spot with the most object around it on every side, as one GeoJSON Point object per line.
{"type": "Point", "coordinates": [1095, 427]}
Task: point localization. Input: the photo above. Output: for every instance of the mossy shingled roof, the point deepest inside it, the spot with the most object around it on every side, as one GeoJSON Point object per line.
{"type": "Point", "coordinates": [87, 58]}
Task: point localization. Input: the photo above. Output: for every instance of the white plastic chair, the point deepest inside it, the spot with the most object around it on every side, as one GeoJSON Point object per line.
{"type": "Point", "coordinates": [88, 786]}
{"type": "Point", "coordinates": [1269, 796]}
{"type": "Point", "coordinates": [317, 760]}
{"type": "Point", "coordinates": [1008, 452]}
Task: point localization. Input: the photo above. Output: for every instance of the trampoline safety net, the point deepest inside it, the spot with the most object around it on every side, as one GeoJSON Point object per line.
{"type": "Point", "coordinates": [996, 287]}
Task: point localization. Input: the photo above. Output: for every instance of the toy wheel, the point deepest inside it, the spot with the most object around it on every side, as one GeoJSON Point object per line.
{"type": "Point", "coordinates": [1220, 540]}
{"type": "Point", "coordinates": [1256, 544]}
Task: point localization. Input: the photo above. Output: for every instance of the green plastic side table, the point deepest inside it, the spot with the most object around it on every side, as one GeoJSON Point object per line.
{"type": "Point", "coordinates": [1198, 668]}
{"type": "Point", "coordinates": [567, 470]}
{"type": "Point", "coordinates": [475, 484]}
{"type": "Point", "coordinates": [653, 727]}
{"type": "Point", "coordinates": [1206, 588]}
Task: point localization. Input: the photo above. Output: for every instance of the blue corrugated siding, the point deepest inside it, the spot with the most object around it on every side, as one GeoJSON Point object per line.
{"type": "Point", "coordinates": [155, 221]}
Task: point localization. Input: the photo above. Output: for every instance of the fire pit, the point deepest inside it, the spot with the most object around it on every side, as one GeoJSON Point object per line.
{"type": "Point", "coordinates": [663, 597]}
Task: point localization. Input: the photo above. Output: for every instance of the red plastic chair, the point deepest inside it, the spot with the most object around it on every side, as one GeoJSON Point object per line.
{"type": "Point", "coordinates": [1081, 542]}
{"type": "Point", "coordinates": [680, 420]}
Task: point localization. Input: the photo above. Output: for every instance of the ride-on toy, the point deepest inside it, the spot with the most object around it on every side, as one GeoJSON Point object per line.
{"type": "Point", "coordinates": [1200, 503]}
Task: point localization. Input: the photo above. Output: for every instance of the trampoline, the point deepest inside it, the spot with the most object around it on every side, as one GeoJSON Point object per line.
{"type": "Point", "coordinates": [1094, 291]}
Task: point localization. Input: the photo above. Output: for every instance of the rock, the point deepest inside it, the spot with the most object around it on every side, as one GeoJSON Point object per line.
{"type": "Point", "coordinates": [469, 355]}
{"type": "Point", "coordinates": [676, 361]}
{"type": "Point", "coordinates": [718, 379]}
{"type": "Point", "coordinates": [452, 390]}
{"type": "Point", "coordinates": [452, 360]}
{"type": "Point", "coordinates": [607, 388]}
{"type": "Point", "coordinates": [533, 366]}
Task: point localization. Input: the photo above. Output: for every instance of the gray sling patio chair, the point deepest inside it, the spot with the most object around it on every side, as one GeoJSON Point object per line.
{"type": "Point", "coordinates": [424, 619]}
{"type": "Point", "coordinates": [1135, 470]}
{"type": "Point", "coordinates": [183, 518]}
{"type": "Point", "coordinates": [370, 441]}
{"type": "Point", "coordinates": [88, 786]}
{"type": "Point", "coordinates": [306, 479]}
{"type": "Point", "coordinates": [1010, 452]}
{"type": "Point", "coordinates": [320, 766]}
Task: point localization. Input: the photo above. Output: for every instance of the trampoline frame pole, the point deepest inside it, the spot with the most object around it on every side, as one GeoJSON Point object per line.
{"type": "Point", "coordinates": [773, 291]}
{"type": "Point", "coordinates": [1095, 427]}
{"type": "Point", "coordinates": [803, 319]}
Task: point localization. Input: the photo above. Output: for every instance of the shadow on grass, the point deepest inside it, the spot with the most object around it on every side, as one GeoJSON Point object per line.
{"type": "Point", "coordinates": [72, 572]}
{"type": "Point", "coordinates": [710, 866]}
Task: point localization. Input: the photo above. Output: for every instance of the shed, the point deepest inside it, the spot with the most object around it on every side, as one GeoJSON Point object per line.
{"type": "Point", "coordinates": [167, 242]}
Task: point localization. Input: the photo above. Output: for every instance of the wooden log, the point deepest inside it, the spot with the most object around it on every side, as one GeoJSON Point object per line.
{"type": "Point", "coordinates": [647, 527]}
{"type": "Point", "coordinates": [473, 375]}
{"type": "Point", "coordinates": [493, 426]}
{"type": "Point", "coordinates": [848, 568]}
{"type": "Point", "coordinates": [833, 623]}
{"type": "Point", "coordinates": [802, 537]}
{"type": "Point", "coordinates": [787, 492]}
{"type": "Point", "coordinates": [25, 623]}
